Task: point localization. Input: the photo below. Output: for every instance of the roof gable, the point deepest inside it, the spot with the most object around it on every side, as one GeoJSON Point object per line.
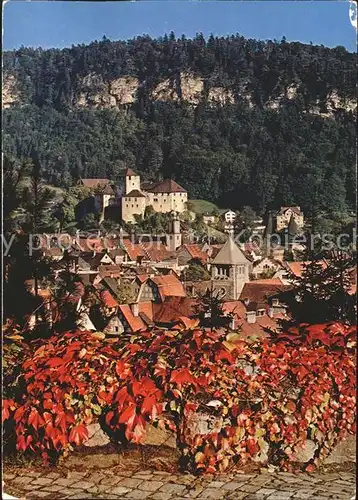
{"type": "Point", "coordinates": [92, 183]}
{"type": "Point", "coordinates": [166, 186]}
{"type": "Point", "coordinates": [131, 173]}
{"type": "Point", "coordinates": [230, 253]}
{"type": "Point", "coordinates": [135, 193]}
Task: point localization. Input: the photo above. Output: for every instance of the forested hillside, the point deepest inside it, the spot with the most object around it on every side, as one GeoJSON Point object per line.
{"type": "Point", "coordinates": [235, 121]}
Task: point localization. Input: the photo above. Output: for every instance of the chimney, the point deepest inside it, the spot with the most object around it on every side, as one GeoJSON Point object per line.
{"type": "Point", "coordinates": [246, 302]}
{"type": "Point", "coordinates": [270, 312]}
{"type": "Point", "coordinates": [135, 309]}
{"type": "Point", "coordinates": [251, 316]}
{"type": "Point", "coordinates": [232, 326]}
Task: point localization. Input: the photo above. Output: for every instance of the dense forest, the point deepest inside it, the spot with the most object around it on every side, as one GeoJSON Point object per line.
{"type": "Point", "coordinates": [261, 147]}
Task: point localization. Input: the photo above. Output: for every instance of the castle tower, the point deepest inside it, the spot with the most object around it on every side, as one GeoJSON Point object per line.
{"type": "Point", "coordinates": [132, 181]}
{"type": "Point", "coordinates": [230, 270]}
{"type": "Point", "coordinates": [174, 236]}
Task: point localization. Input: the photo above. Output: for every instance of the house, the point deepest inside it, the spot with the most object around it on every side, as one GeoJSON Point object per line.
{"type": "Point", "coordinates": [261, 297]}
{"type": "Point", "coordinates": [54, 253]}
{"type": "Point", "coordinates": [248, 324]}
{"type": "Point", "coordinates": [173, 308]}
{"type": "Point", "coordinates": [100, 259]}
{"type": "Point", "coordinates": [117, 255]}
{"type": "Point", "coordinates": [94, 183]}
{"type": "Point", "coordinates": [157, 288]}
{"type": "Point", "coordinates": [186, 253]}
{"type": "Point", "coordinates": [252, 251]}
{"type": "Point", "coordinates": [284, 216]}
{"type": "Point", "coordinates": [114, 326]}
{"type": "Point", "coordinates": [209, 219]}
{"type": "Point", "coordinates": [296, 269]}
{"type": "Point", "coordinates": [136, 317]}
{"type": "Point", "coordinates": [134, 252]}
{"type": "Point", "coordinates": [157, 252]}
{"type": "Point", "coordinates": [229, 216]}
{"type": "Point", "coordinates": [104, 192]}
{"type": "Point", "coordinates": [165, 196]}
{"type": "Point", "coordinates": [265, 266]}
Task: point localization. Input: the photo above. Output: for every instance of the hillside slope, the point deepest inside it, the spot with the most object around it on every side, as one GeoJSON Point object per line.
{"type": "Point", "coordinates": [235, 121]}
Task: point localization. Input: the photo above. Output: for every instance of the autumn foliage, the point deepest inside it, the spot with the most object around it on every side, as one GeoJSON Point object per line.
{"type": "Point", "coordinates": [227, 400]}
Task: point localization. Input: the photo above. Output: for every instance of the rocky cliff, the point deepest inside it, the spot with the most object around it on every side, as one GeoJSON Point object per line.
{"type": "Point", "coordinates": [95, 92]}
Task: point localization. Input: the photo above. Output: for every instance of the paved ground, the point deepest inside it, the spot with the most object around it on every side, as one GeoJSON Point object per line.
{"type": "Point", "coordinates": [112, 483]}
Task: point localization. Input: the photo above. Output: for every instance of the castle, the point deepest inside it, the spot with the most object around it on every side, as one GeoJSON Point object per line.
{"type": "Point", "coordinates": [165, 196]}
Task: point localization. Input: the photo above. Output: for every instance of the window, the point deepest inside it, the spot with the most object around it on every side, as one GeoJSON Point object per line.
{"type": "Point", "coordinates": [129, 177]}
{"type": "Point", "coordinates": [137, 205]}
{"type": "Point", "coordinates": [171, 237]}
{"type": "Point", "coordinates": [132, 206]}
{"type": "Point", "coordinates": [116, 329]}
{"type": "Point", "coordinates": [135, 199]}
{"type": "Point", "coordinates": [260, 312]}
{"type": "Point", "coordinates": [155, 199]}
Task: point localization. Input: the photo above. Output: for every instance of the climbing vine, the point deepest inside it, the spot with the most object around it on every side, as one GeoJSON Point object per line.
{"type": "Point", "coordinates": [228, 400]}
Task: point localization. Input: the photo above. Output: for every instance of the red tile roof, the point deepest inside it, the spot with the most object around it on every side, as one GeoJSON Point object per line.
{"type": "Point", "coordinates": [146, 308]}
{"type": "Point", "coordinates": [156, 251]}
{"type": "Point", "coordinates": [268, 281]}
{"type": "Point", "coordinates": [295, 209]}
{"type": "Point", "coordinates": [169, 286]}
{"type": "Point", "coordinates": [89, 244]}
{"type": "Point", "coordinates": [130, 173]}
{"type": "Point", "coordinates": [108, 300]}
{"type": "Point", "coordinates": [238, 310]}
{"type": "Point", "coordinates": [261, 290]}
{"type": "Point", "coordinates": [135, 322]}
{"type": "Point", "coordinates": [172, 308]}
{"type": "Point", "coordinates": [166, 186]}
{"type": "Point", "coordinates": [196, 253]}
{"type": "Point", "coordinates": [142, 277]}
{"type": "Point", "coordinates": [297, 268]}
{"type": "Point", "coordinates": [133, 250]}
{"type": "Point", "coordinates": [92, 183]}
{"type": "Point", "coordinates": [109, 271]}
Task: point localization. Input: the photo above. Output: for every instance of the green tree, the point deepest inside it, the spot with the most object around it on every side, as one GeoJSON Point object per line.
{"type": "Point", "coordinates": [322, 293]}
{"type": "Point", "coordinates": [210, 310]}
{"type": "Point", "coordinates": [196, 272]}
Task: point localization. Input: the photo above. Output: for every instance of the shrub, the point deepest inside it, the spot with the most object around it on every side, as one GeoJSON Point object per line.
{"type": "Point", "coordinates": [227, 400]}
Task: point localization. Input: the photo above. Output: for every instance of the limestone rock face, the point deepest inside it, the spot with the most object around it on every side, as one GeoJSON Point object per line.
{"type": "Point", "coordinates": [221, 95]}
{"type": "Point", "coordinates": [291, 92]}
{"type": "Point", "coordinates": [124, 89]}
{"type": "Point", "coordinates": [165, 91]}
{"type": "Point", "coordinates": [191, 88]}
{"type": "Point", "coordinates": [98, 93]}
{"type": "Point", "coordinates": [10, 94]}
{"type": "Point", "coordinates": [335, 102]}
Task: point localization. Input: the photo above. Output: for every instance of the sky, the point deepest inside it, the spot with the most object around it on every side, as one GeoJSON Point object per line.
{"type": "Point", "coordinates": [60, 24]}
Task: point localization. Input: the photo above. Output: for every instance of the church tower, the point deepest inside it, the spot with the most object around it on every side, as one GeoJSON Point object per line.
{"type": "Point", "coordinates": [230, 270]}
{"type": "Point", "coordinates": [174, 236]}
{"type": "Point", "coordinates": [132, 181]}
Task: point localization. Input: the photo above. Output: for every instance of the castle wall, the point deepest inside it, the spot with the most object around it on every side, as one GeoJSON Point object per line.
{"type": "Point", "coordinates": [132, 182]}
{"type": "Point", "coordinates": [132, 206]}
